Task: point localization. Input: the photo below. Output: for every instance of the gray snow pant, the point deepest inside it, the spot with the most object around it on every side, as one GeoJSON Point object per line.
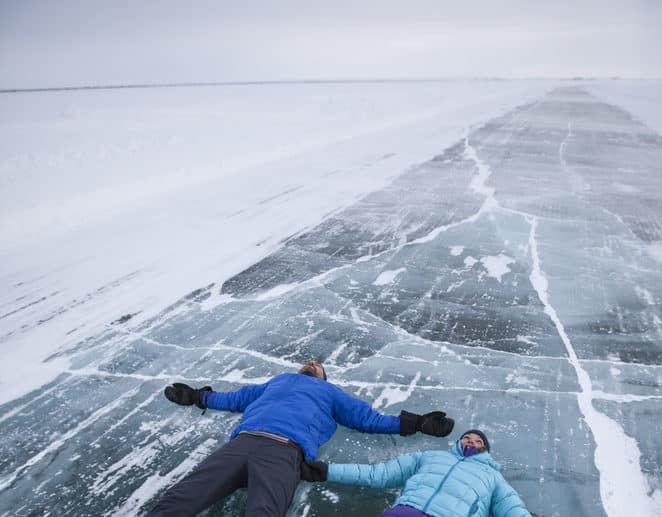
{"type": "Point", "coordinates": [268, 468]}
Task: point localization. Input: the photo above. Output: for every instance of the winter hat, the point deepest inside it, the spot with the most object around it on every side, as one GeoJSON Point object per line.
{"type": "Point", "coordinates": [479, 433]}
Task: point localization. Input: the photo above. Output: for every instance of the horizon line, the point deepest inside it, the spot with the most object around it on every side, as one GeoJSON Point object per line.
{"type": "Point", "coordinates": [304, 81]}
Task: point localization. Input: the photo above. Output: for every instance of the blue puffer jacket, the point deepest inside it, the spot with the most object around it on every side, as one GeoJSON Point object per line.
{"type": "Point", "coordinates": [440, 483]}
{"type": "Point", "coordinates": [302, 408]}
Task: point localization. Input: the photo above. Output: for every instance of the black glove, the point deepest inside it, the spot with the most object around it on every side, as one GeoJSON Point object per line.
{"type": "Point", "coordinates": [435, 423]}
{"type": "Point", "coordinates": [314, 471]}
{"type": "Point", "coordinates": [184, 395]}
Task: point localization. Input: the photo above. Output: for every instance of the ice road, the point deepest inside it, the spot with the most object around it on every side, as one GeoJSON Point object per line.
{"type": "Point", "coordinates": [514, 281]}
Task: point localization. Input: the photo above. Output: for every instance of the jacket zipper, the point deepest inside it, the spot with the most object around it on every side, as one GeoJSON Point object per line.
{"type": "Point", "coordinates": [441, 484]}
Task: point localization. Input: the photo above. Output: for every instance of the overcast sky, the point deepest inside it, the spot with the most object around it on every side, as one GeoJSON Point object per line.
{"type": "Point", "coordinates": [87, 42]}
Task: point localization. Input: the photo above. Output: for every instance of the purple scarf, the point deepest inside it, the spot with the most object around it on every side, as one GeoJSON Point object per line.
{"type": "Point", "coordinates": [470, 450]}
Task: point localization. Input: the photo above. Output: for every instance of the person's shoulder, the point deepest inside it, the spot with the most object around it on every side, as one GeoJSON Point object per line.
{"type": "Point", "coordinates": [433, 454]}
{"type": "Point", "coordinates": [433, 460]}
{"type": "Point", "coordinates": [445, 457]}
{"type": "Point", "coordinates": [285, 377]}
{"type": "Point", "coordinates": [487, 459]}
{"type": "Point", "coordinates": [336, 389]}
{"type": "Point", "coordinates": [330, 390]}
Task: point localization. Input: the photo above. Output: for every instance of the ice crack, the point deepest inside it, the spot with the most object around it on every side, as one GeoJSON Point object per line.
{"type": "Point", "coordinates": [623, 486]}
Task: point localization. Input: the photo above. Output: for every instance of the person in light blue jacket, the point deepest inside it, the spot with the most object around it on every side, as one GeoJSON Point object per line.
{"type": "Point", "coordinates": [461, 482]}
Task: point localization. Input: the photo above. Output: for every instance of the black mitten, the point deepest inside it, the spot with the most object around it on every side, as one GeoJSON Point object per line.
{"type": "Point", "coordinates": [314, 471]}
{"type": "Point", "coordinates": [434, 423]}
{"type": "Point", "coordinates": [184, 395]}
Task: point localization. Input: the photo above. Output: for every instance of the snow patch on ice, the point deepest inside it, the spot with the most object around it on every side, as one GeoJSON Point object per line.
{"type": "Point", "coordinates": [469, 261]}
{"type": "Point", "coordinates": [393, 395]}
{"type": "Point", "coordinates": [478, 181]}
{"type": "Point", "coordinates": [215, 300]}
{"type": "Point", "coordinates": [497, 266]}
{"type": "Point", "coordinates": [278, 291]}
{"type": "Point", "coordinates": [387, 277]}
{"type": "Point", "coordinates": [457, 250]}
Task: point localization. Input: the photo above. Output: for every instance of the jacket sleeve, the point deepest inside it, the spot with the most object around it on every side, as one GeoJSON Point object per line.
{"type": "Point", "coordinates": [235, 401]}
{"type": "Point", "coordinates": [390, 474]}
{"type": "Point", "coordinates": [506, 502]}
{"type": "Point", "coordinates": [357, 414]}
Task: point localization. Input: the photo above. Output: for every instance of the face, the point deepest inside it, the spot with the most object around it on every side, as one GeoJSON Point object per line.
{"type": "Point", "coordinates": [473, 440]}
{"type": "Point", "coordinates": [314, 367]}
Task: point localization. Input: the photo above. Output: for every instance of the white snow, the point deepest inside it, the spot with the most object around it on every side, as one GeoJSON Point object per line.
{"type": "Point", "coordinates": [478, 182]}
{"type": "Point", "coordinates": [387, 277]}
{"type": "Point", "coordinates": [394, 395]}
{"type": "Point", "coordinates": [116, 202]}
{"type": "Point", "coordinates": [497, 265]}
{"type": "Point", "coordinates": [470, 261]}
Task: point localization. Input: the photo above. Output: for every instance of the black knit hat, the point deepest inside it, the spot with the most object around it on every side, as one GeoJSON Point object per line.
{"type": "Point", "coordinates": [479, 433]}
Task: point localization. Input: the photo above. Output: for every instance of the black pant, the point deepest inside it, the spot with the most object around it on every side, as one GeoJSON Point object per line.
{"type": "Point", "coordinates": [268, 468]}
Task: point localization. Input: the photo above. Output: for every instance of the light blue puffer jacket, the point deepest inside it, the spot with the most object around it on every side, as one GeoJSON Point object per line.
{"type": "Point", "coordinates": [440, 483]}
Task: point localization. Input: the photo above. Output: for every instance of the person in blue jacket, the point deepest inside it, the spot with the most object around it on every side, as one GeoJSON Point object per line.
{"type": "Point", "coordinates": [285, 421]}
{"type": "Point", "coordinates": [461, 482]}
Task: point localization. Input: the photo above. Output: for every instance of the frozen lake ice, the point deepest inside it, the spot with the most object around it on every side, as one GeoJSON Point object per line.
{"type": "Point", "coordinates": [513, 281]}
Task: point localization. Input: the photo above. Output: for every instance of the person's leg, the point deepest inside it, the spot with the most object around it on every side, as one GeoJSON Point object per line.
{"type": "Point", "coordinates": [223, 472]}
{"type": "Point", "coordinates": [273, 476]}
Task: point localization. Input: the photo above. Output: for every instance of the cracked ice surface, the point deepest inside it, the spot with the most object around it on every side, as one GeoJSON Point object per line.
{"type": "Point", "coordinates": [506, 281]}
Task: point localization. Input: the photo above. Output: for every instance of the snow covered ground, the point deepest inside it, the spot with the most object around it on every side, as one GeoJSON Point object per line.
{"type": "Point", "coordinates": [118, 202]}
{"type": "Point", "coordinates": [500, 241]}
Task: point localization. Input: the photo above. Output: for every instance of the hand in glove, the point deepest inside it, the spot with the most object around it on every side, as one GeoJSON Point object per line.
{"type": "Point", "coordinates": [435, 423]}
{"type": "Point", "coordinates": [184, 395]}
{"type": "Point", "coordinates": [314, 470]}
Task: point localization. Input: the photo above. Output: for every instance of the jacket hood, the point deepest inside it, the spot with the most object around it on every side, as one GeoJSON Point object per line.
{"type": "Point", "coordinates": [484, 457]}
